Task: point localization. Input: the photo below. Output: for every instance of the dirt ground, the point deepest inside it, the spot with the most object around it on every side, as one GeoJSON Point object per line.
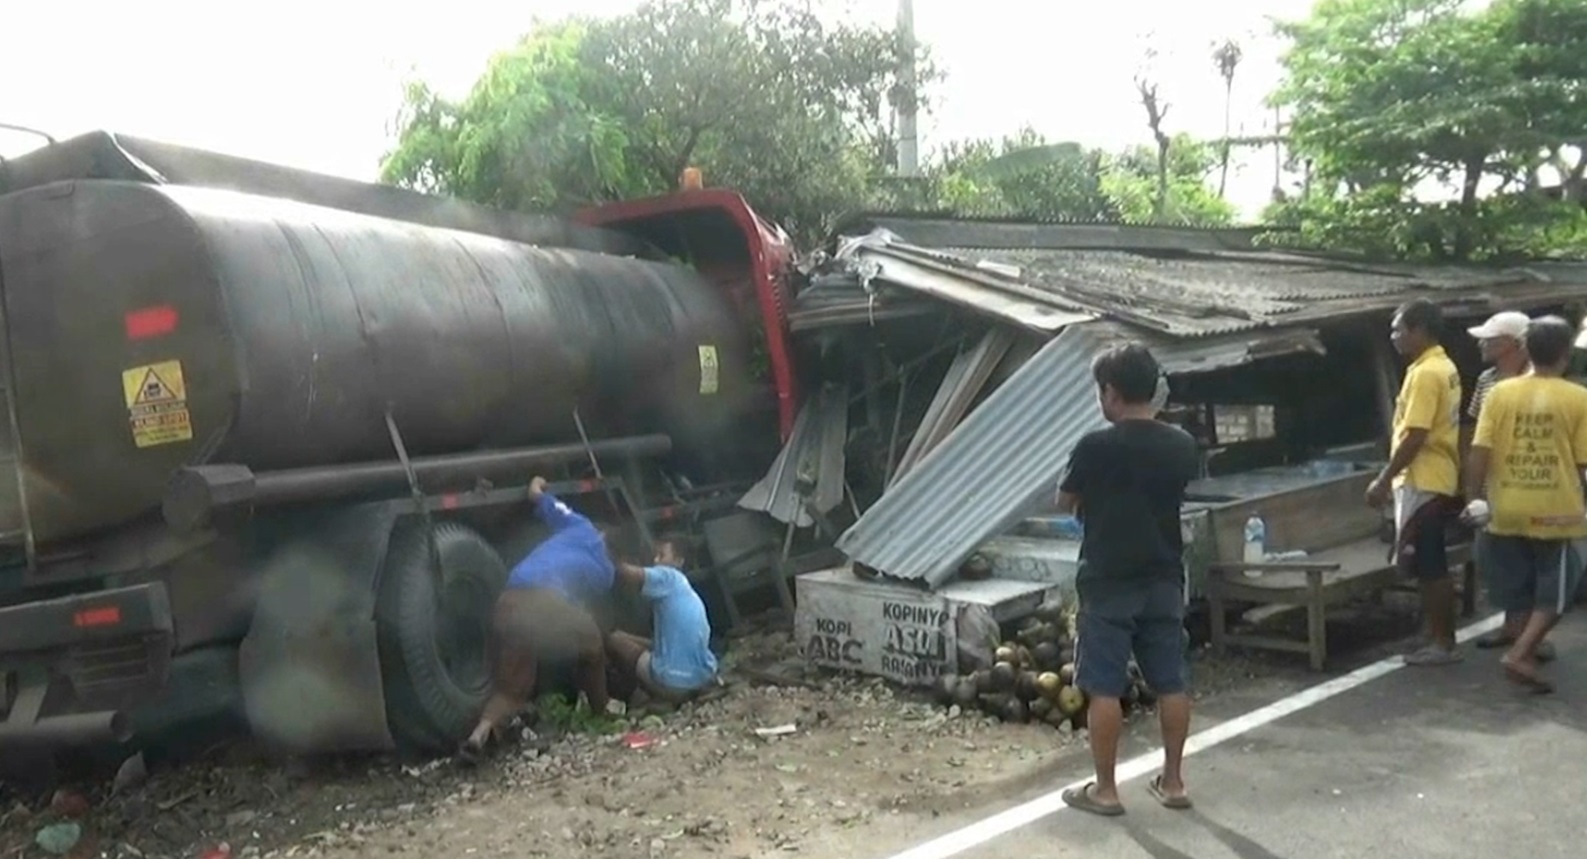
{"type": "Point", "coordinates": [707, 784]}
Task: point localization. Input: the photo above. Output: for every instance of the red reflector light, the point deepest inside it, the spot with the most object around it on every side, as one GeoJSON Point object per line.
{"type": "Point", "coordinates": [449, 501]}
{"type": "Point", "coordinates": [151, 322]}
{"type": "Point", "coordinates": [103, 616]}
{"type": "Point", "coordinates": [586, 486]}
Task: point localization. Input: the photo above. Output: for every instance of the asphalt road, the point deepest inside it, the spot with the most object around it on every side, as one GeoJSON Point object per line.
{"type": "Point", "coordinates": [1418, 762]}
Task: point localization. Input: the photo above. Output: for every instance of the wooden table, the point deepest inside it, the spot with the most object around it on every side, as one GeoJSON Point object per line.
{"type": "Point", "coordinates": [1358, 569]}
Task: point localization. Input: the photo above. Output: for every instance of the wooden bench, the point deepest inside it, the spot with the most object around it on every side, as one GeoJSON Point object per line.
{"type": "Point", "coordinates": [1358, 569]}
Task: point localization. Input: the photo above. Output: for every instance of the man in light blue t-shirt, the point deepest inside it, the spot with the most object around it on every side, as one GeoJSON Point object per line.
{"type": "Point", "coordinates": [676, 662]}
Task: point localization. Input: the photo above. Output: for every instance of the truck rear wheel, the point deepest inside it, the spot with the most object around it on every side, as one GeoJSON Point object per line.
{"type": "Point", "coordinates": [433, 630]}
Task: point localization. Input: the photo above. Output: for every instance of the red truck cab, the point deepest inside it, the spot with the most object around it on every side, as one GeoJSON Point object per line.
{"type": "Point", "coordinates": [715, 232]}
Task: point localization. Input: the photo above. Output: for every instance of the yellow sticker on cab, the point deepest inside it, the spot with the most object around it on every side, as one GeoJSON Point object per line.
{"type": "Point", "coordinates": [156, 396]}
{"type": "Point", "coordinates": [709, 370]}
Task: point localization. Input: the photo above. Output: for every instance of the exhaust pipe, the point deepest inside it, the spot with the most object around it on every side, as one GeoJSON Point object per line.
{"type": "Point", "coordinates": [76, 729]}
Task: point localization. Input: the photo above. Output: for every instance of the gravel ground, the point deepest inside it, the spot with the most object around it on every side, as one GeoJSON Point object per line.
{"type": "Point", "coordinates": [711, 779]}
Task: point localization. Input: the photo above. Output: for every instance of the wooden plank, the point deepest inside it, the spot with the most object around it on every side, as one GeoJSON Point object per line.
{"type": "Point", "coordinates": [1296, 518]}
{"type": "Point", "coordinates": [1266, 642]}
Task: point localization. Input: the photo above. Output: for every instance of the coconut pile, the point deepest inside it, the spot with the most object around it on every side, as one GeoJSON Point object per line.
{"type": "Point", "coordinates": [1032, 677]}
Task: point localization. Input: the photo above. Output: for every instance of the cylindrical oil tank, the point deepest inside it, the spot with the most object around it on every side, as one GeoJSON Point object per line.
{"type": "Point", "coordinates": [152, 327]}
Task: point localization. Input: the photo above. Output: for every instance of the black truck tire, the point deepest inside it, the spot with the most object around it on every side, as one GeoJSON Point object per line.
{"type": "Point", "coordinates": [435, 660]}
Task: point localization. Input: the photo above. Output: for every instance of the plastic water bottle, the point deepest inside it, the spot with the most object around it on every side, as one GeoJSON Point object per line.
{"type": "Point", "coordinates": [1255, 540]}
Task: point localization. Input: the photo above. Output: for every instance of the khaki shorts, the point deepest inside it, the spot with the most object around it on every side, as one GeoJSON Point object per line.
{"type": "Point", "coordinates": [655, 687]}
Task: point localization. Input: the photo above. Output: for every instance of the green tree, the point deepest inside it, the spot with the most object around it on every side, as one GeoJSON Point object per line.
{"type": "Point", "coordinates": [1390, 96]}
{"type": "Point", "coordinates": [1166, 183]}
{"type": "Point", "coordinates": [1023, 175]}
{"type": "Point", "coordinates": [763, 95]}
{"type": "Point", "coordinates": [1026, 176]}
{"type": "Point", "coordinates": [1548, 39]}
{"type": "Point", "coordinates": [526, 136]}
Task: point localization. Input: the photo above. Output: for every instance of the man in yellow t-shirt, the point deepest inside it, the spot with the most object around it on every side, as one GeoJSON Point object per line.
{"type": "Point", "coordinates": [1524, 476]}
{"type": "Point", "coordinates": [1423, 475]}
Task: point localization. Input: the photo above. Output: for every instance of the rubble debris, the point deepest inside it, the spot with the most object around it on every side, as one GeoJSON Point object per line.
{"type": "Point", "coordinates": [873, 747]}
{"type": "Point", "coordinates": [58, 839]}
{"type": "Point", "coordinates": [133, 773]}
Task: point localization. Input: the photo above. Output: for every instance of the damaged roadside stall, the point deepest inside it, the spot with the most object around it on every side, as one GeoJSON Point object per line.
{"type": "Point", "coordinates": [955, 359]}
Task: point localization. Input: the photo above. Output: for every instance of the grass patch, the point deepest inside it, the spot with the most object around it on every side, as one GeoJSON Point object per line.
{"type": "Point", "coordinates": [561, 714]}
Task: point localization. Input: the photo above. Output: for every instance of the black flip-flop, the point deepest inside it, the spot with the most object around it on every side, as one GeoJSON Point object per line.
{"type": "Point", "coordinates": [1155, 787]}
{"type": "Point", "coordinates": [1493, 641]}
{"type": "Point", "coordinates": [1081, 799]}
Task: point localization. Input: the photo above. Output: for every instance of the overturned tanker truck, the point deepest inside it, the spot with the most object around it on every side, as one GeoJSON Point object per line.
{"type": "Point", "coordinates": [275, 426]}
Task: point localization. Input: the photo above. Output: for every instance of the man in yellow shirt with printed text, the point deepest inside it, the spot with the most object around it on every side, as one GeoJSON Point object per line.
{"type": "Point", "coordinates": [1524, 478]}
{"type": "Point", "coordinates": [1423, 475]}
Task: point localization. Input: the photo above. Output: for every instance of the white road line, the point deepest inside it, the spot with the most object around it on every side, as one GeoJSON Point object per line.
{"type": "Point", "coordinates": [1004, 822]}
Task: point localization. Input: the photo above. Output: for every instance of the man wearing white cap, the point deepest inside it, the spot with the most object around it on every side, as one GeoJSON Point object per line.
{"type": "Point", "coordinates": [1502, 341]}
{"type": "Point", "coordinates": [1524, 478]}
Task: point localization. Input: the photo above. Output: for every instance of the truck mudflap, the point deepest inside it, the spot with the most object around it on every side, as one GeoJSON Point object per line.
{"type": "Point", "coordinates": [310, 664]}
{"type": "Point", "coordinates": [71, 667]}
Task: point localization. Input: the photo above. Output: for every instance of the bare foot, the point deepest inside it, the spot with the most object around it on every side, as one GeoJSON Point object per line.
{"type": "Point", "coordinates": [1524, 673]}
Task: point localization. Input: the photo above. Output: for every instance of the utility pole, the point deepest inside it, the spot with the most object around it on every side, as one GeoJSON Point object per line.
{"type": "Point", "coordinates": [908, 142]}
{"type": "Point", "coordinates": [1278, 154]}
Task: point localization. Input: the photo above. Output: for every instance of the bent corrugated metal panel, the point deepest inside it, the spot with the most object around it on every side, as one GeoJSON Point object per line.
{"type": "Point", "coordinates": [1004, 458]}
{"type": "Point", "coordinates": [815, 448]}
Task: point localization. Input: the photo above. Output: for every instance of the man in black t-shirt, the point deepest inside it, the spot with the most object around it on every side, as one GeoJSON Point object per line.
{"type": "Point", "coordinates": [1126, 483]}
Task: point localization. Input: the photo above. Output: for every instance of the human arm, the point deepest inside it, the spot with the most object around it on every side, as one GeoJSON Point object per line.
{"type": "Point", "coordinates": [1424, 396]}
{"type": "Point", "coordinates": [1077, 477]}
{"type": "Point", "coordinates": [1404, 454]}
{"type": "Point", "coordinates": [1477, 463]}
{"type": "Point", "coordinates": [552, 510]}
{"type": "Point", "coordinates": [1579, 444]}
{"type": "Point", "coordinates": [1485, 381]}
{"type": "Point", "coordinates": [1479, 459]}
{"type": "Point", "coordinates": [661, 581]}
{"type": "Point", "coordinates": [632, 576]}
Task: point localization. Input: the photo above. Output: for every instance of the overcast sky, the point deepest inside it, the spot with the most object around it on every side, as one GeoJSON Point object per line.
{"type": "Point", "coordinates": [315, 84]}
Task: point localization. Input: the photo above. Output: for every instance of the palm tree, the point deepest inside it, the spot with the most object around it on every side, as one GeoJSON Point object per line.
{"type": "Point", "coordinates": [1226, 55]}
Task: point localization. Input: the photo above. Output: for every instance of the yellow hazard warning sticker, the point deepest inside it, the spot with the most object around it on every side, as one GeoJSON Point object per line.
{"type": "Point", "coordinates": [708, 370]}
{"type": "Point", "coordinates": [156, 397]}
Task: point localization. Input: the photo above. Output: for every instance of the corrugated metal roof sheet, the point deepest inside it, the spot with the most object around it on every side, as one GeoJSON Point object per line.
{"type": "Point", "coordinates": [946, 230]}
{"type": "Point", "coordinates": [815, 451]}
{"type": "Point", "coordinates": [1001, 460]}
{"type": "Point", "coordinates": [1174, 291]}
{"type": "Point", "coordinates": [877, 272]}
{"type": "Point", "coordinates": [949, 280]}
{"type": "Point", "coordinates": [1202, 294]}
{"type": "Point", "coordinates": [1005, 458]}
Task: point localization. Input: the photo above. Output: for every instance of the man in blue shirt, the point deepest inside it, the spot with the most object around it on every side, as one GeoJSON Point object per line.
{"type": "Point", "coordinates": [676, 662]}
{"type": "Point", "coordinates": [539, 616]}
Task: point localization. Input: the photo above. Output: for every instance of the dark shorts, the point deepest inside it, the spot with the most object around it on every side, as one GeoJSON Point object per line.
{"type": "Point", "coordinates": [1428, 558]}
{"type": "Point", "coordinates": [1526, 574]}
{"type": "Point", "coordinates": [1147, 621]}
